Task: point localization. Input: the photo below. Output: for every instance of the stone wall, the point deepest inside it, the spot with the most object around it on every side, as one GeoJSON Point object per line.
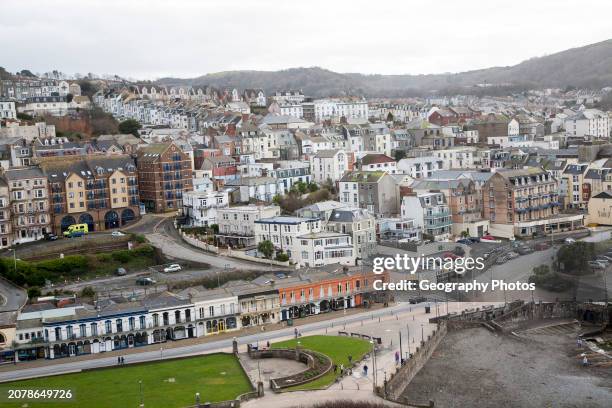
{"type": "Point", "coordinates": [516, 317]}
{"type": "Point", "coordinates": [317, 366]}
{"type": "Point", "coordinates": [193, 241]}
{"type": "Point", "coordinates": [399, 380]}
{"type": "Point", "coordinates": [234, 253]}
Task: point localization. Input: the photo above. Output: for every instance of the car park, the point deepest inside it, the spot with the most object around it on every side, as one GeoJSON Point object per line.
{"type": "Point", "coordinates": [602, 261]}
{"type": "Point", "coordinates": [172, 268]}
{"type": "Point", "coordinates": [524, 250]}
{"type": "Point", "coordinates": [474, 239]}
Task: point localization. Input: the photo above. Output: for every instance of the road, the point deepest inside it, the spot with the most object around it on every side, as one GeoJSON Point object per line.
{"type": "Point", "coordinates": [390, 315]}
{"type": "Point", "coordinates": [11, 297]}
{"type": "Point", "coordinates": [165, 237]}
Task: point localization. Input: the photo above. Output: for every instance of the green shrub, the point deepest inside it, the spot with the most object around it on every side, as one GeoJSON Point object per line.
{"type": "Point", "coordinates": [282, 257]}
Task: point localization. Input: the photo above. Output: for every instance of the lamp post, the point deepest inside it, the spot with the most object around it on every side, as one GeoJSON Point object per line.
{"type": "Point", "coordinates": [161, 353]}
{"type": "Point", "coordinates": [401, 350]}
{"type": "Point", "coordinates": [408, 330]}
{"type": "Point", "coordinates": [14, 258]}
{"type": "Point", "coordinates": [141, 396]}
{"type": "Point", "coordinates": [373, 365]}
{"type": "Point", "coordinates": [422, 335]}
{"type": "Point", "coordinates": [197, 399]}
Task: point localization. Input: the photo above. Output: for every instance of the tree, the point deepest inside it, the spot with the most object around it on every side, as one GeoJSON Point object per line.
{"type": "Point", "coordinates": [389, 117]}
{"type": "Point", "coordinates": [129, 126]}
{"type": "Point", "coordinates": [69, 97]}
{"type": "Point", "coordinates": [266, 248]}
{"type": "Point", "coordinates": [312, 187]}
{"type": "Point", "coordinates": [88, 292]}
{"type": "Point", "coordinates": [544, 278]}
{"type": "Point", "coordinates": [33, 292]}
{"type": "Point", "coordinates": [24, 116]}
{"type": "Point", "coordinates": [27, 72]}
{"type": "Point", "coordinates": [399, 155]}
{"type": "Point", "coordinates": [282, 257]}
{"type": "Point", "coordinates": [574, 258]}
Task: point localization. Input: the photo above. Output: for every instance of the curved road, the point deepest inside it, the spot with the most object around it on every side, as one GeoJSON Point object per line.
{"type": "Point", "coordinates": [165, 237]}
{"type": "Point", "coordinates": [11, 297]}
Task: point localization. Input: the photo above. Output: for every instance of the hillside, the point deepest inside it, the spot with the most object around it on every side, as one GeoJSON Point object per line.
{"type": "Point", "coordinates": [588, 66]}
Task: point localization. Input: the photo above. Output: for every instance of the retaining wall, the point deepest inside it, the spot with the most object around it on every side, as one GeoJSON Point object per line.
{"type": "Point", "coordinates": [394, 387]}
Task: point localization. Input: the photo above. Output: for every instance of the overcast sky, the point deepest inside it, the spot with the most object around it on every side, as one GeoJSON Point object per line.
{"type": "Point", "coordinates": [147, 39]}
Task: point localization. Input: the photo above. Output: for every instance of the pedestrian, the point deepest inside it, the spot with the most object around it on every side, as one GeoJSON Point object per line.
{"type": "Point", "coordinates": [268, 343]}
{"type": "Point", "coordinates": [118, 359]}
{"type": "Point", "coordinates": [122, 360]}
{"type": "Point", "coordinates": [365, 370]}
{"type": "Point", "coordinates": [397, 357]}
{"type": "Point", "coordinates": [335, 369]}
{"type": "Point", "coordinates": [585, 361]}
{"type": "Point", "coordinates": [341, 369]}
{"type": "Point", "coordinates": [350, 359]}
{"type": "Point", "coordinates": [295, 332]}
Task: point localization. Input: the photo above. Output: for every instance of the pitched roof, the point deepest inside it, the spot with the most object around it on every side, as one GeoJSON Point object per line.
{"type": "Point", "coordinates": [374, 158]}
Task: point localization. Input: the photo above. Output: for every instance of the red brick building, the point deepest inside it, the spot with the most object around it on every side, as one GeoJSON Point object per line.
{"type": "Point", "coordinates": [164, 174]}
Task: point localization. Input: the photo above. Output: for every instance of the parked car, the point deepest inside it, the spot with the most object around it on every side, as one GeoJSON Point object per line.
{"type": "Point", "coordinates": [172, 268]}
{"type": "Point", "coordinates": [121, 272]}
{"type": "Point", "coordinates": [542, 246]}
{"type": "Point", "coordinates": [602, 260]}
{"type": "Point", "coordinates": [487, 237]}
{"type": "Point", "coordinates": [117, 234]}
{"type": "Point", "coordinates": [465, 241]}
{"type": "Point", "coordinates": [524, 250]}
{"type": "Point", "coordinates": [512, 255]}
{"type": "Point", "coordinates": [501, 260]}
{"type": "Point", "coordinates": [144, 281]}
{"type": "Point", "coordinates": [51, 237]}
{"type": "Point", "coordinates": [606, 257]}
{"type": "Point", "coordinates": [416, 300]}
{"type": "Point", "coordinates": [597, 265]}
{"type": "Point", "coordinates": [569, 240]}
{"type": "Point", "coordinates": [450, 255]}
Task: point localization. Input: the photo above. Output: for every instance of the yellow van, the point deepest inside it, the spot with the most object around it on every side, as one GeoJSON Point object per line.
{"type": "Point", "coordinates": [76, 230]}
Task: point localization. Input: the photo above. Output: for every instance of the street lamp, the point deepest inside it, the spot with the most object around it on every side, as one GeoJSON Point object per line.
{"type": "Point", "coordinates": [408, 330]}
{"type": "Point", "coordinates": [422, 336]}
{"type": "Point", "coordinates": [373, 365]}
{"type": "Point", "coordinates": [141, 396]}
{"type": "Point", "coordinates": [161, 353]}
{"type": "Point", "coordinates": [14, 258]}
{"type": "Point", "coordinates": [197, 399]}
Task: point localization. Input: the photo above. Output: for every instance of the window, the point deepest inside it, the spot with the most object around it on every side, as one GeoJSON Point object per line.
{"type": "Point", "coordinates": [143, 323]}
{"type": "Point", "coordinates": [119, 324]}
{"type": "Point", "coordinates": [94, 329]}
{"type": "Point", "coordinates": [211, 311]}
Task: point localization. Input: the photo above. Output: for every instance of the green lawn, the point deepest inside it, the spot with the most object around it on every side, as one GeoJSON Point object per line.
{"type": "Point", "coordinates": [335, 347]}
{"type": "Point", "coordinates": [167, 384]}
